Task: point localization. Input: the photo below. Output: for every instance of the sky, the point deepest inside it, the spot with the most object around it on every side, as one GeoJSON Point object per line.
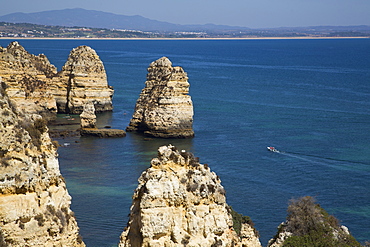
{"type": "Point", "coordinates": [246, 13]}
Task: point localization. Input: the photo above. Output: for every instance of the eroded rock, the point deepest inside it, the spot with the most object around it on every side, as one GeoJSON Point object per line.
{"type": "Point", "coordinates": [88, 117]}
{"type": "Point", "coordinates": [83, 79]}
{"type": "Point", "coordinates": [34, 201]}
{"type": "Point", "coordinates": [26, 78]}
{"type": "Point", "coordinates": [164, 108]}
{"type": "Point", "coordinates": [34, 86]}
{"type": "Point", "coordinates": [89, 128]}
{"type": "Point", "coordinates": [180, 202]}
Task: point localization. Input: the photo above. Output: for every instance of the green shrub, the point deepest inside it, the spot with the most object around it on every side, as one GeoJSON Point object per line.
{"type": "Point", "coordinates": [312, 226]}
{"type": "Point", "coordinates": [239, 219]}
{"type": "Point", "coordinates": [35, 130]}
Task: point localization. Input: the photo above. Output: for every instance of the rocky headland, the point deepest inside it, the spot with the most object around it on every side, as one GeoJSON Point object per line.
{"type": "Point", "coordinates": [164, 108]}
{"type": "Point", "coordinates": [35, 86]}
{"type": "Point", "coordinates": [308, 224]}
{"type": "Point", "coordinates": [34, 201]}
{"type": "Point", "coordinates": [180, 202]}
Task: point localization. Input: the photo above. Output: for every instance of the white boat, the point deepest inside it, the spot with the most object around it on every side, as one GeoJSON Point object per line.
{"type": "Point", "coordinates": [272, 149]}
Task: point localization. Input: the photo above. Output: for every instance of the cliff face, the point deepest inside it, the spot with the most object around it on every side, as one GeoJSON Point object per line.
{"type": "Point", "coordinates": [26, 77]}
{"type": "Point", "coordinates": [34, 202]}
{"type": "Point", "coordinates": [83, 79]}
{"type": "Point", "coordinates": [164, 108]}
{"type": "Point", "coordinates": [180, 202]}
{"type": "Point", "coordinates": [34, 85]}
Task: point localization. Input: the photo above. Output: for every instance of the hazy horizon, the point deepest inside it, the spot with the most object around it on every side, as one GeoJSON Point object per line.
{"type": "Point", "coordinates": [245, 13]}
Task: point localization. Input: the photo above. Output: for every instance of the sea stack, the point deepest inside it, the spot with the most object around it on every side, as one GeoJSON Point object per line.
{"type": "Point", "coordinates": [180, 202]}
{"type": "Point", "coordinates": [83, 79]}
{"type": "Point", "coordinates": [164, 108]}
{"type": "Point", "coordinates": [89, 128]}
{"type": "Point", "coordinates": [88, 117]}
{"type": "Point", "coordinates": [34, 201]}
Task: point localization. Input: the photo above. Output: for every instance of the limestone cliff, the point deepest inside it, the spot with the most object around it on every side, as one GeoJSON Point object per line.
{"type": "Point", "coordinates": [34, 202]}
{"type": "Point", "coordinates": [83, 79]}
{"type": "Point", "coordinates": [34, 86]}
{"type": "Point", "coordinates": [26, 77]}
{"type": "Point", "coordinates": [180, 202]}
{"type": "Point", "coordinates": [164, 108]}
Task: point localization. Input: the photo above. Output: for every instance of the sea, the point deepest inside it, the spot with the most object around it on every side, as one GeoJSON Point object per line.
{"type": "Point", "coordinates": [308, 98]}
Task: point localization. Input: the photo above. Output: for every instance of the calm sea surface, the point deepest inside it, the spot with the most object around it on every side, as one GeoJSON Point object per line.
{"type": "Point", "coordinates": [309, 98]}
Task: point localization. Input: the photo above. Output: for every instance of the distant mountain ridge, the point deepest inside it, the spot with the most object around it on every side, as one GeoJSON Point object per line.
{"type": "Point", "coordinates": [79, 17]}
{"type": "Point", "coordinates": [99, 19]}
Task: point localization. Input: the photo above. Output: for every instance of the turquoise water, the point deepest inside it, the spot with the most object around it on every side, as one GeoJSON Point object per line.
{"type": "Point", "coordinates": [309, 98]}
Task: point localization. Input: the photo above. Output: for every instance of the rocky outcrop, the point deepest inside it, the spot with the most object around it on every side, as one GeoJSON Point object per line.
{"type": "Point", "coordinates": [308, 224]}
{"type": "Point", "coordinates": [88, 117]}
{"type": "Point", "coordinates": [34, 86]}
{"type": "Point", "coordinates": [34, 202]}
{"type": "Point", "coordinates": [164, 108]}
{"type": "Point", "coordinates": [26, 78]}
{"type": "Point", "coordinates": [88, 124]}
{"type": "Point", "coordinates": [180, 202]}
{"type": "Point", "coordinates": [83, 79]}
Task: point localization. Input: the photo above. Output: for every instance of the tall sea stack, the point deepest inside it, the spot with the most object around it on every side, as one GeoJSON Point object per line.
{"type": "Point", "coordinates": [83, 79]}
{"type": "Point", "coordinates": [180, 202]}
{"type": "Point", "coordinates": [164, 108]}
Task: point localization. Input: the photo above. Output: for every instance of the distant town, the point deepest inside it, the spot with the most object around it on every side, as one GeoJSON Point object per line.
{"type": "Point", "coordinates": [27, 30]}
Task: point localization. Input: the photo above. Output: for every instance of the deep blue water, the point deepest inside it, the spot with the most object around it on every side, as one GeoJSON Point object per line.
{"type": "Point", "coordinates": [309, 98]}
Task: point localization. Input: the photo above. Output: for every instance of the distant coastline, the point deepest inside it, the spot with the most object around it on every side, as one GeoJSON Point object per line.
{"type": "Point", "coordinates": [226, 38]}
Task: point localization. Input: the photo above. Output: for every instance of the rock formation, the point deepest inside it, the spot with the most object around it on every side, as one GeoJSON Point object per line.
{"type": "Point", "coordinates": [26, 77]}
{"type": "Point", "coordinates": [88, 117]}
{"type": "Point", "coordinates": [180, 202]}
{"type": "Point", "coordinates": [164, 108]}
{"type": "Point", "coordinates": [308, 224]}
{"type": "Point", "coordinates": [34, 86]}
{"type": "Point", "coordinates": [88, 124]}
{"type": "Point", "coordinates": [83, 79]}
{"type": "Point", "coordinates": [34, 202]}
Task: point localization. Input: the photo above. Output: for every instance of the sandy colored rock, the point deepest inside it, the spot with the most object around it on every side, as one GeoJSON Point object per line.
{"type": "Point", "coordinates": [88, 117]}
{"type": "Point", "coordinates": [83, 79]}
{"type": "Point", "coordinates": [88, 124]}
{"type": "Point", "coordinates": [35, 87]}
{"type": "Point", "coordinates": [164, 108]}
{"type": "Point", "coordinates": [34, 201]}
{"type": "Point", "coordinates": [26, 78]}
{"type": "Point", "coordinates": [180, 202]}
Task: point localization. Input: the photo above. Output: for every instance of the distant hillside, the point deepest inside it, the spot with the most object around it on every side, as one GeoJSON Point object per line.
{"type": "Point", "coordinates": [79, 23]}
{"type": "Point", "coordinates": [98, 19]}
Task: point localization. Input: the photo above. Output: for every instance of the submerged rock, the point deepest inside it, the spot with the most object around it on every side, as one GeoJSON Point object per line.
{"type": "Point", "coordinates": [180, 202]}
{"type": "Point", "coordinates": [34, 201]}
{"type": "Point", "coordinates": [164, 108]}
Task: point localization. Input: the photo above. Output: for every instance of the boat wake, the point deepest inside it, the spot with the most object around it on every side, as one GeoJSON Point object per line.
{"type": "Point", "coordinates": [306, 157]}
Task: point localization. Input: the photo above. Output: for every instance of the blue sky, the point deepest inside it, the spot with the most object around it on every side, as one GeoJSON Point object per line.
{"type": "Point", "coordinates": [247, 13]}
